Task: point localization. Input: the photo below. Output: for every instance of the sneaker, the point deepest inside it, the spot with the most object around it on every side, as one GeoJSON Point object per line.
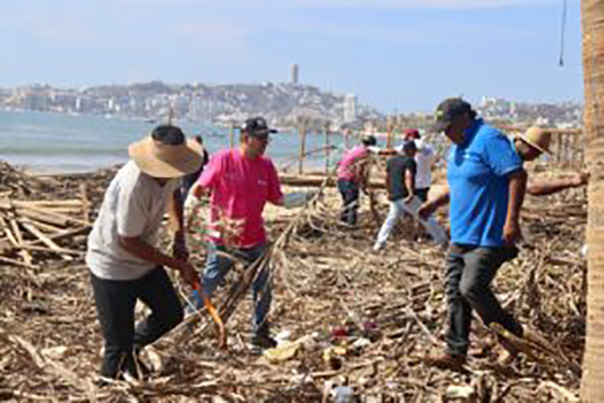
{"type": "Point", "coordinates": [378, 247]}
{"type": "Point", "coordinates": [262, 340]}
{"type": "Point", "coordinates": [454, 362]}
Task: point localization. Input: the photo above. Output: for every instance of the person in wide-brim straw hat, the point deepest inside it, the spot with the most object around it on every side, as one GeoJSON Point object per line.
{"type": "Point", "coordinates": [124, 263]}
{"type": "Point", "coordinates": [529, 146]}
{"type": "Point", "coordinates": [532, 143]}
{"type": "Point", "coordinates": [160, 160]}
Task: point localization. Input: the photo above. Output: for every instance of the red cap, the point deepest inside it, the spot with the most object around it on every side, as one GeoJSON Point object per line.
{"type": "Point", "coordinates": [411, 133]}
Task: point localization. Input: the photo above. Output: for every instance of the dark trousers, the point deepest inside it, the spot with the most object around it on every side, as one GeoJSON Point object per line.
{"type": "Point", "coordinates": [115, 301]}
{"type": "Point", "coordinates": [469, 273]}
{"type": "Point", "coordinates": [422, 194]}
{"type": "Point", "coordinates": [350, 197]}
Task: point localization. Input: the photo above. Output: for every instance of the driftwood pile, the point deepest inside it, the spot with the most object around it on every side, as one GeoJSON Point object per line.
{"type": "Point", "coordinates": [46, 217]}
{"type": "Point", "coordinates": [351, 321]}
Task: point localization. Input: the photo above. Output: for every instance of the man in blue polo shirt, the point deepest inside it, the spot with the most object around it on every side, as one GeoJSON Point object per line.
{"type": "Point", "coordinates": [486, 189]}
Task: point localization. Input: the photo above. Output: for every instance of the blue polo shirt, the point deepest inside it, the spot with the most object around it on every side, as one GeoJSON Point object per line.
{"type": "Point", "coordinates": [477, 174]}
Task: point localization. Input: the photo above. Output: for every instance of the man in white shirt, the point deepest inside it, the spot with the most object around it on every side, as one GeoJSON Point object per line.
{"type": "Point", "coordinates": [124, 263]}
{"type": "Point", "coordinates": [424, 159]}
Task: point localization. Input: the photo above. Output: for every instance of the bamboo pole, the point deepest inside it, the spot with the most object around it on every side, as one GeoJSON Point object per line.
{"type": "Point", "coordinates": [326, 136]}
{"type": "Point", "coordinates": [389, 132]}
{"type": "Point", "coordinates": [302, 135]}
{"type": "Point", "coordinates": [231, 134]}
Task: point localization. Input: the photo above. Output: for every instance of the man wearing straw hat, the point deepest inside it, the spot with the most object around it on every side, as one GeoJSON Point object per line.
{"type": "Point", "coordinates": [125, 265]}
{"type": "Point", "coordinates": [529, 146]}
{"type": "Point", "coordinates": [241, 181]}
{"type": "Point", "coordinates": [486, 189]}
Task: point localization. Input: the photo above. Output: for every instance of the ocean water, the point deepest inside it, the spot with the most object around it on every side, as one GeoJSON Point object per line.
{"type": "Point", "coordinates": [60, 143]}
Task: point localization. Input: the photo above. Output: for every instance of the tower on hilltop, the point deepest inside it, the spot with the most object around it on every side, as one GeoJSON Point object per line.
{"type": "Point", "coordinates": [294, 72]}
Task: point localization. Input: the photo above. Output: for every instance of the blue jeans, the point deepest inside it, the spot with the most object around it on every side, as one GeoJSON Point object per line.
{"type": "Point", "coordinates": [350, 198]}
{"type": "Point", "coordinates": [218, 266]}
{"type": "Point", "coordinates": [469, 273]}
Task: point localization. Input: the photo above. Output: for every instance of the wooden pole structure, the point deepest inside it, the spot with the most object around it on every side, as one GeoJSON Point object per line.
{"type": "Point", "coordinates": [231, 134]}
{"type": "Point", "coordinates": [302, 136]}
{"type": "Point", "coordinates": [326, 136]}
{"type": "Point", "coordinates": [592, 21]}
{"type": "Point", "coordinates": [170, 114]}
{"type": "Point", "coordinates": [389, 132]}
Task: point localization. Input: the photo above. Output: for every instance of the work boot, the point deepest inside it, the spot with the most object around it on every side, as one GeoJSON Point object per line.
{"type": "Point", "coordinates": [454, 362]}
{"type": "Point", "coordinates": [262, 340]}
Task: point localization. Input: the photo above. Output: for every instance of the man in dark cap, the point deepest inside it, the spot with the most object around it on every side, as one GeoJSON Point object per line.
{"type": "Point", "coordinates": [352, 177]}
{"type": "Point", "coordinates": [241, 181]}
{"type": "Point", "coordinates": [487, 184]}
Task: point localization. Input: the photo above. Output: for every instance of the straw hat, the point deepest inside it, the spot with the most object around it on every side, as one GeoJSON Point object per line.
{"type": "Point", "coordinates": [538, 138]}
{"type": "Point", "coordinates": [166, 161]}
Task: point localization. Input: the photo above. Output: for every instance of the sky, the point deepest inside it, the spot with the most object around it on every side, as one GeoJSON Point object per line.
{"type": "Point", "coordinates": [395, 55]}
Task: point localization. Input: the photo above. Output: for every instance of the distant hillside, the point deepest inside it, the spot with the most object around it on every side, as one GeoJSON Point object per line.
{"type": "Point", "coordinates": [281, 104]}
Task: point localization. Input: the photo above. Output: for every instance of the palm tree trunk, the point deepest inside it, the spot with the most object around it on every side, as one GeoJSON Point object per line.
{"type": "Point", "coordinates": [592, 11]}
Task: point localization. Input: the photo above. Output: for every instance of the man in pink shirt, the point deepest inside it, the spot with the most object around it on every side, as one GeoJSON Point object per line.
{"type": "Point", "coordinates": [241, 181]}
{"type": "Point", "coordinates": [352, 175]}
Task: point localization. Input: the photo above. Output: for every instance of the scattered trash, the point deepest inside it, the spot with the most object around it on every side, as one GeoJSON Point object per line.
{"type": "Point", "coordinates": [461, 392]}
{"type": "Point", "coordinates": [343, 394]}
{"type": "Point", "coordinates": [283, 352]}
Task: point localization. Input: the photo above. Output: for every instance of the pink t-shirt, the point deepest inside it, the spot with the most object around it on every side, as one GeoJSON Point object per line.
{"type": "Point", "coordinates": [240, 188]}
{"type": "Point", "coordinates": [346, 167]}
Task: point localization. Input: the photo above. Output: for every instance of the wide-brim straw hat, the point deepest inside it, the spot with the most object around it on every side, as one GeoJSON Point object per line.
{"type": "Point", "coordinates": [166, 161]}
{"type": "Point", "coordinates": [538, 138]}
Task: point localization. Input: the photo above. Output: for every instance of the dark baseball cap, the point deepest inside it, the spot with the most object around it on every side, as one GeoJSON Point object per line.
{"type": "Point", "coordinates": [369, 140]}
{"type": "Point", "coordinates": [257, 127]}
{"type": "Point", "coordinates": [448, 110]}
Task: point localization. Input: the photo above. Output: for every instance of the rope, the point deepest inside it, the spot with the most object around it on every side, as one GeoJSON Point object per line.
{"type": "Point", "coordinates": [562, 34]}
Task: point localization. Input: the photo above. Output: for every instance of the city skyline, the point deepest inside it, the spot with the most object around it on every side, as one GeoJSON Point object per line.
{"type": "Point", "coordinates": [393, 55]}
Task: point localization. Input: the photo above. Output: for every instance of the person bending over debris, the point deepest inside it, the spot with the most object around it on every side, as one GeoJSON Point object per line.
{"type": "Point", "coordinates": [241, 181]}
{"type": "Point", "coordinates": [486, 189]}
{"type": "Point", "coordinates": [124, 264]}
{"type": "Point", "coordinates": [400, 185]}
{"type": "Point", "coordinates": [352, 176]}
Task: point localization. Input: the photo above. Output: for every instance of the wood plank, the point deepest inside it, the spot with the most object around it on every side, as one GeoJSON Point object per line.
{"type": "Point", "coordinates": [85, 203]}
{"type": "Point", "coordinates": [45, 240]}
{"type": "Point", "coordinates": [51, 250]}
{"type": "Point", "coordinates": [23, 253]}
